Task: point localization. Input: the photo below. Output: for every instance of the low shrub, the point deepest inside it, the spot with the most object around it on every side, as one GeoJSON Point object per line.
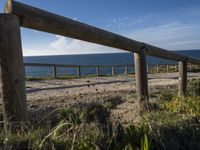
{"type": "Point", "coordinates": [194, 87]}
{"type": "Point", "coordinates": [188, 105]}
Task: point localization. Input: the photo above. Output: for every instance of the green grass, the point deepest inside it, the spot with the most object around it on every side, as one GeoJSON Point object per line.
{"type": "Point", "coordinates": [194, 87]}
{"type": "Point", "coordinates": [73, 128]}
{"type": "Point", "coordinates": [174, 124]}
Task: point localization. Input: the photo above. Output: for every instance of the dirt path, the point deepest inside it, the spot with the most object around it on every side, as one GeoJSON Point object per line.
{"type": "Point", "coordinates": [46, 95]}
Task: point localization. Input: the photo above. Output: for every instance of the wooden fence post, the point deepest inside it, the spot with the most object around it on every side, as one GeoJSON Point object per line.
{"type": "Point", "coordinates": [113, 71]}
{"type": "Point", "coordinates": [141, 75]}
{"type": "Point", "coordinates": [157, 68]}
{"type": "Point", "coordinates": [97, 71]}
{"type": "Point", "coordinates": [147, 68]}
{"type": "Point", "coordinates": [126, 70]}
{"type": "Point", "coordinates": [12, 74]}
{"type": "Point", "coordinates": [190, 66]}
{"type": "Point", "coordinates": [54, 72]}
{"type": "Point", "coordinates": [78, 72]}
{"type": "Point", "coordinates": [176, 68]}
{"type": "Point", "coordinates": [167, 68]}
{"type": "Point", "coordinates": [182, 88]}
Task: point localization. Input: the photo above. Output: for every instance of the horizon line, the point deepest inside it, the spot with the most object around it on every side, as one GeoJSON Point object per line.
{"type": "Point", "coordinates": [102, 53]}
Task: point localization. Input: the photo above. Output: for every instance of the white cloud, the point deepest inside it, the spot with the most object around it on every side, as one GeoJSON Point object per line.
{"type": "Point", "coordinates": [75, 18]}
{"type": "Point", "coordinates": [59, 43]}
{"type": "Point", "coordinates": [114, 20]}
{"type": "Point", "coordinates": [140, 20]}
{"type": "Point", "coordinates": [124, 22]}
{"type": "Point", "coordinates": [38, 52]}
{"type": "Point", "coordinates": [63, 46]}
{"type": "Point", "coordinates": [172, 36]}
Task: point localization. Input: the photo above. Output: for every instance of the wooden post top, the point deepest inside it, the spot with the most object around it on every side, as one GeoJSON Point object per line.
{"type": "Point", "coordinates": [8, 6]}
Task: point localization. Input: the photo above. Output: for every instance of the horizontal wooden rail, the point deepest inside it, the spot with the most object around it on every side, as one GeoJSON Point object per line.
{"type": "Point", "coordinates": [34, 18]}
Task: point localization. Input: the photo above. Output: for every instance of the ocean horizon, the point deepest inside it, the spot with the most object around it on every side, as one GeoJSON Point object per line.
{"type": "Point", "coordinates": [93, 59]}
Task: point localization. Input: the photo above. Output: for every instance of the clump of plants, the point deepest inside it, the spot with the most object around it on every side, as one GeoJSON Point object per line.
{"type": "Point", "coordinates": [194, 87]}
{"type": "Point", "coordinates": [78, 128]}
{"type": "Point", "coordinates": [187, 105]}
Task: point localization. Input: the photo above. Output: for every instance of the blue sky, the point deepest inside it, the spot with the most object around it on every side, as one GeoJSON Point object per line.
{"type": "Point", "coordinates": [170, 24]}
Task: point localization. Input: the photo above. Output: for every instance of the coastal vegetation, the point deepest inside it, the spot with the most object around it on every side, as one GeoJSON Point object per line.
{"type": "Point", "coordinates": [173, 123]}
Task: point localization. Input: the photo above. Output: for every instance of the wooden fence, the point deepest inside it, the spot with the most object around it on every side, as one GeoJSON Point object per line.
{"type": "Point", "coordinates": [80, 67]}
{"type": "Point", "coordinates": [151, 68]}
{"type": "Point", "coordinates": [12, 68]}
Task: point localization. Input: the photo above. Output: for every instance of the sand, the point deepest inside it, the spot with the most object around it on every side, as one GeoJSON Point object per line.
{"type": "Point", "coordinates": [44, 96]}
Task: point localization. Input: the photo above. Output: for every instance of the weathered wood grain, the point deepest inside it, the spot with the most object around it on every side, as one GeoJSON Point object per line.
{"type": "Point", "coordinates": [141, 75]}
{"type": "Point", "coordinates": [182, 87]}
{"type": "Point", "coordinates": [12, 75]}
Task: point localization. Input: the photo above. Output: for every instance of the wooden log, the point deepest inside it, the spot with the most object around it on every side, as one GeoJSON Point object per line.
{"type": "Point", "coordinates": [97, 71]}
{"type": "Point", "coordinates": [113, 71]}
{"type": "Point", "coordinates": [141, 75]}
{"type": "Point", "coordinates": [54, 70]}
{"type": "Point", "coordinates": [78, 72]}
{"type": "Point", "coordinates": [38, 19]}
{"type": "Point", "coordinates": [126, 70]}
{"type": "Point", "coordinates": [12, 74]}
{"type": "Point", "coordinates": [182, 88]}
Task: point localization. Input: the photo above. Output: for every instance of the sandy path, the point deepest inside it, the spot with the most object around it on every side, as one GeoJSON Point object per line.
{"type": "Point", "coordinates": [49, 94]}
{"type": "Point", "coordinates": [58, 88]}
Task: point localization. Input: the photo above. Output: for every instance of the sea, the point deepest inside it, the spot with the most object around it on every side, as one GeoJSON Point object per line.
{"type": "Point", "coordinates": [92, 59]}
